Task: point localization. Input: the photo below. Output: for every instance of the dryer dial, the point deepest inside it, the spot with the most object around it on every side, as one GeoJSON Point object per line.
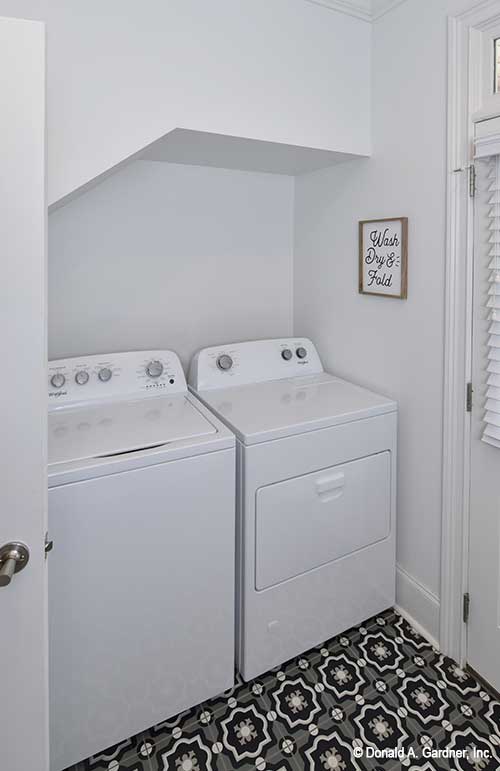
{"type": "Point", "coordinates": [105, 374]}
{"type": "Point", "coordinates": [224, 362]}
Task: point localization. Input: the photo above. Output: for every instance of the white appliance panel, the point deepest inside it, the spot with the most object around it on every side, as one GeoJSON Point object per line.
{"type": "Point", "coordinates": [114, 376]}
{"type": "Point", "coordinates": [308, 521]}
{"type": "Point", "coordinates": [255, 361]}
{"type": "Point", "coordinates": [271, 410]}
{"type": "Point", "coordinates": [141, 588]}
{"type": "Point", "coordinates": [113, 427]}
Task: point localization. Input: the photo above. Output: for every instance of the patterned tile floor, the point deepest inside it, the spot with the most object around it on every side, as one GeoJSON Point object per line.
{"type": "Point", "coordinates": [379, 686]}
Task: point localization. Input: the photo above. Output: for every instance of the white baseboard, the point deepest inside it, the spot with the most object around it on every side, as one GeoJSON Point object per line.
{"type": "Point", "coordinates": [418, 605]}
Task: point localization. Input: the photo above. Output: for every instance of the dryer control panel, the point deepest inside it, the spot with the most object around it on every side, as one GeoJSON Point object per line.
{"type": "Point", "coordinates": [115, 375]}
{"type": "Point", "coordinates": [253, 362]}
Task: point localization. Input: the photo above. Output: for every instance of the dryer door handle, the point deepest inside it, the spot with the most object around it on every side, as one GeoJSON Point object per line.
{"type": "Point", "coordinates": [331, 487]}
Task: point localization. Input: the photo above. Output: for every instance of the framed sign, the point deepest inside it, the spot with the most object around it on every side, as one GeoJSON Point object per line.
{"type": "Point", "coordinates": [383, 257]}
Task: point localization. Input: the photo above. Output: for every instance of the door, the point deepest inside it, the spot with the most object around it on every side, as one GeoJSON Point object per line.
{"type": "Point", "coordinates": [483, 641]}
{"type": "Point", "coordinates": [23, 614]}
{"type": "Point", "coordinates": [314, 519]}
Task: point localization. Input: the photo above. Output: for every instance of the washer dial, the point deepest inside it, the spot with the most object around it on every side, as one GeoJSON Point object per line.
{"type": "Point", "coordinates": [286, 354]}
{"type": "Point", "coordinates": [301, 353]}
{"type": "Point", "coordinates": [154, 369]}
{"type": "Point", "coordinates": [57, 380]}
{"type": "Point", "coordinates": [105, 374]}
{"type": "Point", "coordinates": [82, 377]}
{"type": "Point", "coordinates": [224, 362]}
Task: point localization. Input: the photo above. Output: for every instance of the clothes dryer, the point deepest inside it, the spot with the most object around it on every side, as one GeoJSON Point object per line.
{"type": "Point", "coordinates": [316, 495]}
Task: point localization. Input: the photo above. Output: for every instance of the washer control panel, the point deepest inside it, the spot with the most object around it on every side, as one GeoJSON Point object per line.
{"type": "Point", "coordinates": [140, 373]}
{"type": "Point", "coordinates": [253, 362]}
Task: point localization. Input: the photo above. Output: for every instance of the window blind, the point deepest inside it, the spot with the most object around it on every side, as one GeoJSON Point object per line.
{"type": "Point", "coordinates": [491, 433]}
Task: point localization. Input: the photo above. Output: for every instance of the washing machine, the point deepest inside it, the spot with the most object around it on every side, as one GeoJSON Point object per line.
{"type": "Point", "coordinates": [141, 574]}
{"type": "Point", "coordinates": [316, 495]}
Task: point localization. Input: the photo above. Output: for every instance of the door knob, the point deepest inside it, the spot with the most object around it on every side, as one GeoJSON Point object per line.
{"type": "Point", "coordinates": [14, 557]}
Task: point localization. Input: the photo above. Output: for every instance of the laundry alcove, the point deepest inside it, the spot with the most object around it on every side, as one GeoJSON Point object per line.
{"type": "Point", "coordinates": [188, 242]}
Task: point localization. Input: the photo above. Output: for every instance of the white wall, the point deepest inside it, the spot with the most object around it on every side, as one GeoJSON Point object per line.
{"type": "Point", "coordinates": [122, 73]}
{"type": "Point", "coordinates": [171, 256]}
{"type": "Point", "coordinates": [390, 345]}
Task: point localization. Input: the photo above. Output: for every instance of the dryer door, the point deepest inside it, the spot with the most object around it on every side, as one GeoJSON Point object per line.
{"type": "Point", "coordinates": [311, 520]}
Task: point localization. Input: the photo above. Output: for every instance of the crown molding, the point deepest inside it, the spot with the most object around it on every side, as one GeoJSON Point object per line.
{"type": "Point", "coordinates": [361, 9]}
{"type": "Point", "coordinates": [381, 7]}
{"type": "Point", "coordinates": [368, 10]}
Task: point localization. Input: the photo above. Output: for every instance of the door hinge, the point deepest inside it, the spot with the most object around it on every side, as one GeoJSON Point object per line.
{"type": "Point", "coordinates": [49, 545]}
{"type": "Point", "coordinates": [472, 180]}
{"type": "Point", "coordinates": [470, 391]}
{"type": "Point", "coordinates": [466, 607]}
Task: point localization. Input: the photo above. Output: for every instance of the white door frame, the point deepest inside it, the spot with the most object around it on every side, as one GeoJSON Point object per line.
{"type": "Point", "coordinates": [465, 93]}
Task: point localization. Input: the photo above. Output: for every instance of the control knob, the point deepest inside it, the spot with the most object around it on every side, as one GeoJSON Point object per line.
{"type": "Point", "coordinates": [105, 374]}
{"type": "Point", "coordinates": [82, 377]}
{"type": "Point", "coordinates": [286, 354]}
{"type": "Point", "coordinates": [57, 380]}
{"type": "Point", "coordinates": [301, 353]}
{"type": "Point", "coordinates": [154, 369]}
{"type": "Point", "coordinates": [224, 362]}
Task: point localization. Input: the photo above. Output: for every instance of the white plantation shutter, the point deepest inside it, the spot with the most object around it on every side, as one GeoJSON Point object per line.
{"type": "Point", "coordinates": [491, 432]}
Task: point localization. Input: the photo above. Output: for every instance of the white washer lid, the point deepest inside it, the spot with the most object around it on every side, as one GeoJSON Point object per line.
{"type": "Point", "coordinates": [263, 411]}
{"type": "Point", "coordinates": [102, 430]}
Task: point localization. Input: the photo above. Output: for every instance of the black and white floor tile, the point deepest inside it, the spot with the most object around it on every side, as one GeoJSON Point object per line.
{"type": "Point", "coordinates": [379, 686]}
